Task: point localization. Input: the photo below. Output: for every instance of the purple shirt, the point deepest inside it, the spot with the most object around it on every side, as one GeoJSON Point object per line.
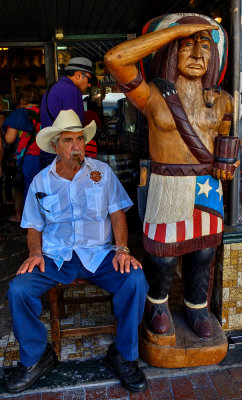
{"type": "Point", "coordinates": [63, 95]}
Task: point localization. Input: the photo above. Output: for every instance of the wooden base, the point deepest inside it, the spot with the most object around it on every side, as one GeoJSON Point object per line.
{"type": "Point", "coordinates": [188, 351]}
{"type": "Point", "coordinates": [167, 339]}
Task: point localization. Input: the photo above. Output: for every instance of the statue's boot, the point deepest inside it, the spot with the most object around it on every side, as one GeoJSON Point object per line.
{"type": "Point", "coordinates": [196, 272]}
{"type": "Point", "coordinates": [157, 315]}
{"type": "Point", "coordinates": [159, 273]}
{"type": "Point", "coordinates": [199, 321]}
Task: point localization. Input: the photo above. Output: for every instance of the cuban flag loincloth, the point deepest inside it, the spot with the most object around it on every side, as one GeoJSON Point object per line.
{"type": "Point", "coordinates": [202, 229]}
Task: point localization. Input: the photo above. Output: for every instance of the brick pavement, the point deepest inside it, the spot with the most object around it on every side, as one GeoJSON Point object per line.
{"type": "Point", "coordinates": [221, 384]}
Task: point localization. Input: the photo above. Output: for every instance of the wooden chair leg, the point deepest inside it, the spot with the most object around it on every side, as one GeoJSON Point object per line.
{"type": "Point", "coordinates": [54, 319]}
{"type": "Point", "coordinates": [61, 303]}
{"type": "Point", "coordinates": [57, 303]}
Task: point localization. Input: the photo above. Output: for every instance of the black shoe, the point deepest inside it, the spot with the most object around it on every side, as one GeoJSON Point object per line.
{"type": "Point", "coordinates": [128, 372]}
{"type": "Point", "coordinates": [23, 377]}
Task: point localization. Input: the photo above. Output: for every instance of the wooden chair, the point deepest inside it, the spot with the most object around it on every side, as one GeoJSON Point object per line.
{"type": "Point", "coordinates": [57, 302]}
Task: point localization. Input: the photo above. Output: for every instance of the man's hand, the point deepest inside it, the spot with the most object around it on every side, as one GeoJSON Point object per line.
{"type": "Point", "coordinates": [122, 261]}
{"type": "Point", "coordinates": [29, 264]}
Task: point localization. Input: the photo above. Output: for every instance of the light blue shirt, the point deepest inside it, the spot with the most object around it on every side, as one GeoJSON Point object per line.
{"type": "Point", "coordinates": [74, 215]}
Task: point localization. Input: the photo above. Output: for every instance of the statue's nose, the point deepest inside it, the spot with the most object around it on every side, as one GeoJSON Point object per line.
{"type": "Point", "coordinates": [196, 51]}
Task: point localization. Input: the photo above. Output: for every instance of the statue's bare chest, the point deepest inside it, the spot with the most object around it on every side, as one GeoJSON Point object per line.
{"type": "Point", "coordinates": [201, 118]}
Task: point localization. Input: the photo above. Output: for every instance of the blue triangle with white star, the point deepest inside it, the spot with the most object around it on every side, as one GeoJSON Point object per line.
{"type": "Point", "coordinates": [209, 193]}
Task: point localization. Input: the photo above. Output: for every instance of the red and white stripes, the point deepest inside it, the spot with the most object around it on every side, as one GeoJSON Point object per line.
{"type": "Point", "coordinates": [202, 224]}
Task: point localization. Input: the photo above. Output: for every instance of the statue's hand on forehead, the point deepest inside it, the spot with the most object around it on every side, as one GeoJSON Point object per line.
{"type": "Point", "coordinates": [180, 31]}
{"type": "Point", "coordinates": [194, 28]}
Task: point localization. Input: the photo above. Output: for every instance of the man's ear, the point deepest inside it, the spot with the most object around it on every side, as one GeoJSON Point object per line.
{"type": "Point", "coordinates": [78, 75]}
{"type": "Point", "coordinates": [54, 147]}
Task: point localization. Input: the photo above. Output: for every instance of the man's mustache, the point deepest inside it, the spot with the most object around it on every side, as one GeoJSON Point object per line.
{"type": "Point", "coordinates": [76, 153]}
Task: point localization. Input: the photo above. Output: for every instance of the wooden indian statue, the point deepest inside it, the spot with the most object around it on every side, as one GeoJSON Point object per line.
{"type": "Point", "coordinates": [189, 118]}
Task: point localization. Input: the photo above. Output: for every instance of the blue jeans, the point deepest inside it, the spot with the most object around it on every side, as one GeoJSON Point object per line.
{"type": "Point", "coordinates": [129, 294]}
{"type": "Point", "coordinates": [30, 168]}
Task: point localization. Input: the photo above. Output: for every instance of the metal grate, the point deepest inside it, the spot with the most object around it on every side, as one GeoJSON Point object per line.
{"type": "Point", "coordinates": [93, 49]}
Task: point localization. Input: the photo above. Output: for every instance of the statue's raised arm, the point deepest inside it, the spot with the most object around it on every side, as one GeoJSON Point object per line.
{"type": "Point", "coordinates": [121, 60]}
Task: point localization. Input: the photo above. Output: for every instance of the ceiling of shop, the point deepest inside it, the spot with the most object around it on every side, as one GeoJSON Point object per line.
{"type": "Point", "coordinates": [40, 20]}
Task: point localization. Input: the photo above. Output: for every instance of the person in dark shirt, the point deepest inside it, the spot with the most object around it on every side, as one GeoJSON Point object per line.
{"type": "Point", "coordinates": [22, 126]}
{"type": "Point", "coordinates": [66, 94]}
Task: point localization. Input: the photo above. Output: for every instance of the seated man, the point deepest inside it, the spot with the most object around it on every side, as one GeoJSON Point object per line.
{"type": "Point", "coordinates": [71, 209]}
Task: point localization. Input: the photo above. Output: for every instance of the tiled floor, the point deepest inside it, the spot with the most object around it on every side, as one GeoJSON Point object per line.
{"type": "Point", "coordinates": [81, 348]}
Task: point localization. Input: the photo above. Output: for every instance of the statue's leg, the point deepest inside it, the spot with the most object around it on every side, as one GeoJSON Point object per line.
{"type": "Point", "coordinates": [196, 272]}
{"type": "Point", "coordinates": [159, 273]}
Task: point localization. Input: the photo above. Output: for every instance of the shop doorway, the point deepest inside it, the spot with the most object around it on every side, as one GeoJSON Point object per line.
{"type": "Point", "coordinates": [20, 66]}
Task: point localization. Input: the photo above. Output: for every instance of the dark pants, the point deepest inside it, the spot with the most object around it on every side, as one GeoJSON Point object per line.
{"type": "Point", "coordinates": [46, 159]}
{"type": "Point", "coordinates": [30, 168]}
{"type": "Point", "coordinates": [196, 271]}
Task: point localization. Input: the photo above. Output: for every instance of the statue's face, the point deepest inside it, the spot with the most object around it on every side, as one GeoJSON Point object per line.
{"type": "Point", "coordinates": [194, 55]}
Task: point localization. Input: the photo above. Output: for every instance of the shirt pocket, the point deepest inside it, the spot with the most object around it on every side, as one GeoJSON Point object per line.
{"type": "Point", "coordinates": [51, 207]}
{"type": "Point", "coordinates": [95, 200]}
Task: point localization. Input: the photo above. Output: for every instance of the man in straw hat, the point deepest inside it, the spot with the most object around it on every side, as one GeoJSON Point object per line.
{"type": "Point", "coordinates": [66, 94]}
{"type": "Point", "coordinates": [186, 54]}
{"type": "Point", "coordinates": [71, 209]}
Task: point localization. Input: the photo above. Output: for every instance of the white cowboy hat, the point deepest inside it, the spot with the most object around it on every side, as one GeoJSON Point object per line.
{"type": "Point", "coordinates": [66, 121]}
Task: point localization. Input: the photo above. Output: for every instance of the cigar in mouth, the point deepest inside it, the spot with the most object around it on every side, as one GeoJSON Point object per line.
{"type": "Point", "coordinates": [77, 157]}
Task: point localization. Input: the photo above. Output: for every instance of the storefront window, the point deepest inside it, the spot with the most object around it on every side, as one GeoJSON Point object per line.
{"type": "Point", "coordinates": [240, 175]}
{"type": "Point", "coordinates": [20, 66]}
{"type": "Point", "coordinates": [240, 135]}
